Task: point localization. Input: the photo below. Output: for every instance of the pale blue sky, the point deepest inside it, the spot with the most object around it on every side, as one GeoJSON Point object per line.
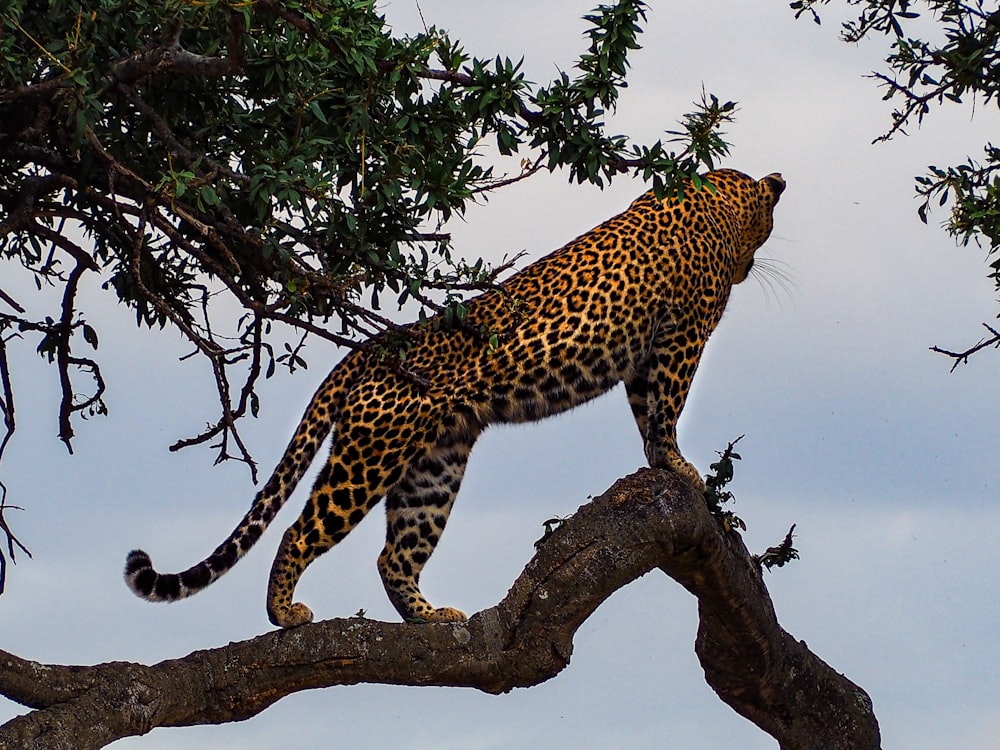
{"type": "Point", "coordinates": [855, 432]}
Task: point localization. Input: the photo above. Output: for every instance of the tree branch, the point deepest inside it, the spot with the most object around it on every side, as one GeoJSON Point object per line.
{"type": "Point", "coordinates": [963, 357]}
{"type": "Point", "coordinates": [648, 520]}
{"type": "Point", "coordinates": [9, 425]}
{"type": "Point", "coordinates": [173, 58]}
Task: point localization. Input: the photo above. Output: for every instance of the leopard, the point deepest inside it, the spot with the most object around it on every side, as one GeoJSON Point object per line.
{"type": "Point", "coordinates": [632, 301]}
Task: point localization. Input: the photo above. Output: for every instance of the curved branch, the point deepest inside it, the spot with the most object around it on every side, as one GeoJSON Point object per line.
{"type": "Point", "coordinates": [648, 520]}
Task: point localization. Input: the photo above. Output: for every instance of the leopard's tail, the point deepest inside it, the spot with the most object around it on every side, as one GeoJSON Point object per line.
{"type": "Point", "coordinates": [320, 417]}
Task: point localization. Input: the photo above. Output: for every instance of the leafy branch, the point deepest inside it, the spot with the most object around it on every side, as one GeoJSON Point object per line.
{"type": "Point", "coordinates": [722, 474]}
{"type": "Point", "coordinates": [716, 497]}
{"type": "Point", "coordinates": [962, 64]}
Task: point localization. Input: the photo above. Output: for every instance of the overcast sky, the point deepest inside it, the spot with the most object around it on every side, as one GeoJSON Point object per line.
{"type": "Point", "coordinates": [854, 431]}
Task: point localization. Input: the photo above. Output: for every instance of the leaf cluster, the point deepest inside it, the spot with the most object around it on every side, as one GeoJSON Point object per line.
{"type": "Point", "coordinates": [716, 496]}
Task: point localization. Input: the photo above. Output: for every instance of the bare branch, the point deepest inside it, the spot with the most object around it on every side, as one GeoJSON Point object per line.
{"type": "Point", "coordinates": [7, 410]}
{"type": "Point", "coordinates": [963, 357]}
{"type": "Point", "coordinates": [11, 301]}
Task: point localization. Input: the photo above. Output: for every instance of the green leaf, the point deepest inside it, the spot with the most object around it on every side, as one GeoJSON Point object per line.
{"type": "Point", "coordinates": [318, 112]}
{"type": "Point", "coordinates": [208, 196]}
{"type": "Point", "coordinates": [90, 336]}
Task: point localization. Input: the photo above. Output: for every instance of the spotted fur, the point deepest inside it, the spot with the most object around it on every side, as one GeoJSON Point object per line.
{"type": "Point", "coordinates": [632, 301]}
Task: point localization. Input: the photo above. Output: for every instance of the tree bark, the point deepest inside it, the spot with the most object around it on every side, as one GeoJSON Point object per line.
{"type": "Point", "coordinates": [651, 519]}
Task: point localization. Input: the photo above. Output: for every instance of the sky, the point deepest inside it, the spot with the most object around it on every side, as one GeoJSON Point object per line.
{"type": "Point", "coordinates": [855, 431]}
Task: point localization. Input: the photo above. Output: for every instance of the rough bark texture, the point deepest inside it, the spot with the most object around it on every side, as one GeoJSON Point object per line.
{"type": "Point", "coordinates": [648, 520]}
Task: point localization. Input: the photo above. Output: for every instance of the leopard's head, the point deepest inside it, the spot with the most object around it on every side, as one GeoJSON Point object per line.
{"type": "Point", "coordinates": [756, 200]}
{"type": "Point", "coordinates": [748, 207]}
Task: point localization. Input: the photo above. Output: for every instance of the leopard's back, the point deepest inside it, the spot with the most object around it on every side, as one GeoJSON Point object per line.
{"type": "Point", "coordinates": [632, 301]}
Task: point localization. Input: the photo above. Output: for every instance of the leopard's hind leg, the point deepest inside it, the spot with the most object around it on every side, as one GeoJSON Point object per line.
{"type": "Point", "coordinates": [417, 510]}
{"type": "Point", "coordinates": [385, 426]}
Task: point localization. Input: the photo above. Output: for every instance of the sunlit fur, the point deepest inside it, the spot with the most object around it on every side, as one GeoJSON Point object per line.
{"type": "Point", "coordinates": [632, 301]}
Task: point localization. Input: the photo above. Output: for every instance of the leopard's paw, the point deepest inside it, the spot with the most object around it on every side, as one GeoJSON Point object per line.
{"type": "Point", "coordinates": [686, 469]}
{"type": "Point", "coordinates": [290, 617]}
{"type": "Point", "coordinates": [441, 614]}
{"type": "Point", "coordinates": [449, 614]}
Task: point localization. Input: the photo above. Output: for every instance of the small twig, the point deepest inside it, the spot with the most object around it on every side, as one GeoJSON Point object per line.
{"type": "Point", "coordinates": [12, 540]}
{"type": "Point", "coordinates": [6, 398]}
{"type": "Point", "coordinates": [963, 357]}
{"type": "Point", "coordinates": [7, 410]}
{"type": "Point", "coordinates": [915, 103]}
{"type": "Point", "coordinates": [420, 12]}
{"type": "Point", "coordinates": [13, 20]}
{"type": "Point", "coordinates": [11, 301]}
{"type": "Point", "coordinates": [528, 168]}
{"type": "Point", "coordinates": [63, 356]}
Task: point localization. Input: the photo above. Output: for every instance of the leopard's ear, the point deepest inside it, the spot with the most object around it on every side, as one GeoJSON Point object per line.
{"type": "Point", "coordinates": [776, 183]}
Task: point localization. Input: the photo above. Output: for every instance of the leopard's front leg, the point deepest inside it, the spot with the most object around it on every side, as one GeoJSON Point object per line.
{"type": "Point", "coordinates": [662, 451]}
{"type": "Point", "coordinates": [657, 392]}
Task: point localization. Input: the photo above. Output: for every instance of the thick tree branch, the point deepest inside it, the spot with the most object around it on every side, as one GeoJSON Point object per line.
{"type": "Point", "coordinates": [648, 520]}
{"type": "Point", "coordinates": [757, 668]}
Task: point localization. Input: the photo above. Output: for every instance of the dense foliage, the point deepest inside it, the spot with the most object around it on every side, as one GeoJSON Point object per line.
{"type": "Point", "coordinates": [940, 51]}
{"type": "Point", "coordinates": [294, 156]}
